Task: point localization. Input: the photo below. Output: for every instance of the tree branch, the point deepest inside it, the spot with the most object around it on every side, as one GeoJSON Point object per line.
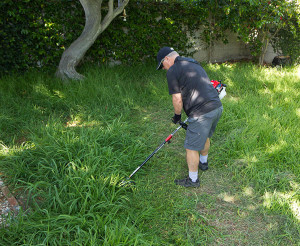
{"type": "Point", "coordinates": [110, 7]}
{"type": "Point", "coordinates": [120, 8]}
{"type": "Point", "coordinates": [112, 13]}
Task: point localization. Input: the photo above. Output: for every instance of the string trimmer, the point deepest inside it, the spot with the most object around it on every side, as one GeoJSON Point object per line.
{"type": "Point", "coordinates": [221, 89]}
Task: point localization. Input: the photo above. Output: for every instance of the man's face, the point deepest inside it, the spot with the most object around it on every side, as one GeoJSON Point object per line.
{"type": "Point", "coordinates": [167, 63]}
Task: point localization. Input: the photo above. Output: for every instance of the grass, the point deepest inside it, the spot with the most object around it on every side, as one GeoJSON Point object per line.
{"type": "Point", "coordinates": [65, 148]}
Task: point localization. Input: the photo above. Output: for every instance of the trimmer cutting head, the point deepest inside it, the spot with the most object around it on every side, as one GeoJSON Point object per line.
{"type": "Point", "coordinates": [127, 183]}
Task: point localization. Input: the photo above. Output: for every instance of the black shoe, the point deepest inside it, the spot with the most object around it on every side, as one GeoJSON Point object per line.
{"type": "Point", "coordinates": [203, 166]}
{"type": "Point", "coordinates": [187, 182]}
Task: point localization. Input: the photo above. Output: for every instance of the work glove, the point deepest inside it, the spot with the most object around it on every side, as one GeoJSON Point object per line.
{"type": "Point", "coordinates": [176, 118]}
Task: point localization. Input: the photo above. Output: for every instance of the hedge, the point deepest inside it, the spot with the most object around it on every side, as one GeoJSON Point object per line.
{"type": "Point", "coordinates": [34, 33]}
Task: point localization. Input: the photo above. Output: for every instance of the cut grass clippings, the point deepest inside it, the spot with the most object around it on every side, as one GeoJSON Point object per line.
{"type": "Point", "coordinates": [66, 147]}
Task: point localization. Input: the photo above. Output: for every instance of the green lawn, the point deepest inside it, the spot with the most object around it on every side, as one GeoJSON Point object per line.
{"type": "Point", "coordinates": [64, 148]}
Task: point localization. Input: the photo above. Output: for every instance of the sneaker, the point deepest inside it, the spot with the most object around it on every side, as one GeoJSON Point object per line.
{"type": "Point", "coordinates": [187, 182]}
{"type": "Point", "coordinates": [203, 166]}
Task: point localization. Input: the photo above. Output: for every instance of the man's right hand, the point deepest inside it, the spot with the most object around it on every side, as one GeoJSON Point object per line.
{"type": "Point", "coordinates": [176, 118]}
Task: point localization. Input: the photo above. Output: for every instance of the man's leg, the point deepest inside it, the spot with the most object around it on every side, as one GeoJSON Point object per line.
{"type": "Point", "coordinates": [204, 152]}
{"type": "Point", "coordinates": [203, 164]}
{"type": "Point", "coordinates": [192, 158]}
{"type": "Point", "coordinates": [215, 116]}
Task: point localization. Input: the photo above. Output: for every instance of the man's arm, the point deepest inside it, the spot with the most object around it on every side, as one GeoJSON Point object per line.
{"type": "Point", "coordinates": [177, 103]}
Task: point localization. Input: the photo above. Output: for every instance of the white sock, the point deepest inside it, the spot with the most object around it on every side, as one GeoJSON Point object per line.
{"type": "Point", "coordinates": [203, 158]}
{"type": "Point", "coordinates": [193, 176]}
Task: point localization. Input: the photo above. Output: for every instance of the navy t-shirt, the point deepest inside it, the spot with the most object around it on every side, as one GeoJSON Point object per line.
{"type": "Point", "coordinates": [187, 77]}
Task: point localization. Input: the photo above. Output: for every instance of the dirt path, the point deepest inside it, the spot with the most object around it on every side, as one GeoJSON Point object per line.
{"type": "Point", "coordinates": [8, 203]}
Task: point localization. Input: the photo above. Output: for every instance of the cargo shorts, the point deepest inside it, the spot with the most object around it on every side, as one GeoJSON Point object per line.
{"type": "Point", "coordinates": [201, 128]}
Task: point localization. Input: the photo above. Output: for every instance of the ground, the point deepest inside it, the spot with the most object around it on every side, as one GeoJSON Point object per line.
{"type": "Point", "coordinates": [237, 213]}
{"type": "Point", "coordinates": [8, 203]}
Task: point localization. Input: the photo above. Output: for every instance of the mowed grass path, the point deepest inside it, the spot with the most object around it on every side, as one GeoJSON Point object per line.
{"type": "Point", "coordinates": [66, 148]}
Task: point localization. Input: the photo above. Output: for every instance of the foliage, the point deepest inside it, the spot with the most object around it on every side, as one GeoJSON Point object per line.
{"type": "Point", "coordinates": [149, 26]}
{"type": "Point", "coordinates": [35, 33]}
{"type": "Point", "coordinates": [213, 24]}
{"type": "Point", "coordinates": [257, 22]}
{"type": "Point", "coordinates": [287, 41]}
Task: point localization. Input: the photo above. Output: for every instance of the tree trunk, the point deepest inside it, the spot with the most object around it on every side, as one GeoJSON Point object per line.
{"type": "Point", "coordinates": [92, 29]}
{"type": "Point", "coordinates": [265, 43]}
{"type": "Point", "coordinates": [266, 40]}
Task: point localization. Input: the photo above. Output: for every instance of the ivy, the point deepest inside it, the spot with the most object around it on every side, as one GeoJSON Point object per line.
{"type": "Point", "coordinates": [34, 33]}
{"type": "Point", "coordinates": [288, 41]}
{"type": "Point", "coordinates": [259, 22]}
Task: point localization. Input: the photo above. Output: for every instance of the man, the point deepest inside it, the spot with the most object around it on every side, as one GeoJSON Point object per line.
{"type": "Point", "coordinates": [192, 91]}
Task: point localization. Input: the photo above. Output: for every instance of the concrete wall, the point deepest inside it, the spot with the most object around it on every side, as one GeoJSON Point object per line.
{"type": "Point", "coordinates": [270, 54]}
{"type": "Point", "coordinates": [234, 50]}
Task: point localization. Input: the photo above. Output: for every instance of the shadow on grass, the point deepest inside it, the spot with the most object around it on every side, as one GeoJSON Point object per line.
{"type": "Point", "coordinates": [29, 101]}
{"type": "Point", "coordinates": [259, 126]}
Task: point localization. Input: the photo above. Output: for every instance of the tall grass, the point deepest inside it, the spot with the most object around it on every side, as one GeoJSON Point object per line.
{"type": "Point", "coordinates": [265, 114]}
{"type": "Point", "coordinates": [67, 147]}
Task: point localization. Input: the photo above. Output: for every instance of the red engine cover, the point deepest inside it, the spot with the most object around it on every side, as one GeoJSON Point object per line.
{"type": "Point", "coordinates": [215, 83]}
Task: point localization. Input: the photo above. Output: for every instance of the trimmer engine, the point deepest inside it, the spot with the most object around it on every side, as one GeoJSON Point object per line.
{"type": "Point", "coordinates": [221, 88]}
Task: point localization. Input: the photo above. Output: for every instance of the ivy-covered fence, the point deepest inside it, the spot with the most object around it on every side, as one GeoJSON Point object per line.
{"type": "Point", "coordinates": [34, 33]}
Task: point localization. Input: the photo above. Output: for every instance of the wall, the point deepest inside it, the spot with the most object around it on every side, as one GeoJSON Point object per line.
{"type": "Point", "coordinates": [234, 50]}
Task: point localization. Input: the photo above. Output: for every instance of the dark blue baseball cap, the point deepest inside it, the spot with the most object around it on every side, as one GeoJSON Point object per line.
{"type": "Point", "coordinates": [162, 53]}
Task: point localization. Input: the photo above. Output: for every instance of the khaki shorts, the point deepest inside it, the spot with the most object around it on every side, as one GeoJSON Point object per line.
{"type": "Point", "coordinates": [201, 128]}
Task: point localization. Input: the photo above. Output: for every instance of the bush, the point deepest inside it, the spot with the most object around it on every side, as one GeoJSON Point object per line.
{"type": "Point", "coordinates": [288, 40]}
{"type": "Point", "coordinates": [36, 32]}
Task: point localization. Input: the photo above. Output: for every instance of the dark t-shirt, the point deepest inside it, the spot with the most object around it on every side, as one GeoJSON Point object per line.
{"type": "Point", "coordinates": [187, 77]}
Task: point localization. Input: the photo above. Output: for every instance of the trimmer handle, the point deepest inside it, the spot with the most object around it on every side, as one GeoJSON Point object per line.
{"type": "Point", "coordinates": [184, 125]}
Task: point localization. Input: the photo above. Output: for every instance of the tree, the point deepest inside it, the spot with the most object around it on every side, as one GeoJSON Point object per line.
{"type": "Point", "coordinates": [258, 22]}
{"type": "Point", "coordinates": [94, 26]}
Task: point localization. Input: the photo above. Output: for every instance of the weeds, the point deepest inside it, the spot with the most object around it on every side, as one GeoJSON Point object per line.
{"type": "Point", "coordinates": [67, 147]}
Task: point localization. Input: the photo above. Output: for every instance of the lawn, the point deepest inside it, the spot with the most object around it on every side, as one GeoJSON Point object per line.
{"type": "Point", "coordinates": [64, 148]}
